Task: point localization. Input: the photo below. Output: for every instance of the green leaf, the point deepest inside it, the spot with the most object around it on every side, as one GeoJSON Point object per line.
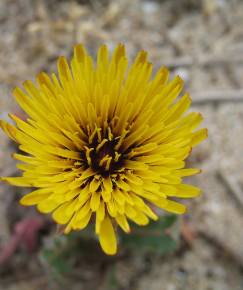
{"type": "Point", "coordinates": [57, 262]}
{"type": "Point", "coordinates": [153, 237]}
{"type": "Point", "coordinates": [163, 223]}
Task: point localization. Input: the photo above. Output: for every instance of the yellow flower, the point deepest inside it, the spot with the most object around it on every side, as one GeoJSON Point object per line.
{"type": "Point", "coordinates": [104, 142]}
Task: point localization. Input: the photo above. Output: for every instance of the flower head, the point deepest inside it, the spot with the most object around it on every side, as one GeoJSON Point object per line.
{"type": "Point", "coordinates": [104, 142]}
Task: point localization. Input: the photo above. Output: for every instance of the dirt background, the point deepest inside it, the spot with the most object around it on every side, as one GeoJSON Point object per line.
{"type": "Point", "coordinates": [202, 41]}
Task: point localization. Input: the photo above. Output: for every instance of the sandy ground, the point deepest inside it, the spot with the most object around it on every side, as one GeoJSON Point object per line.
{"type": "Point", "coordinates": [202, 41]}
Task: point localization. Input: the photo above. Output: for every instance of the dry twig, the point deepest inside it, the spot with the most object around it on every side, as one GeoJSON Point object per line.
{"type": "Point", "coordinates": [217, 96]}
{"type": "Point", "coordinates": [232, 187]}
{"type": "Point", "coordinates": [221, 247]}
{"type": "Point", "coordinates": [204, 60]}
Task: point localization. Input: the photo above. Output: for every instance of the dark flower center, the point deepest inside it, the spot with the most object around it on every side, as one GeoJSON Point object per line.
{"type": "Point", "coordinates": [103, 155]}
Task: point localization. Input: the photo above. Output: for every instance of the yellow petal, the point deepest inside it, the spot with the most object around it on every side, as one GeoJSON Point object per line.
{"type": "Point", "coordinates": [112, 210]}
{"type": "Point", "coordinates": [122, 185]}
{"type": "Point", "coordinates": [18, 181]}
{"type": "Point", "coordinates": [135, 165]}
{"type": "Point", "coordinates": [199, 136]}
{"type": "Point", "coordinates": [95, 201]}
{"type": "Point", "coordinates": [48, 205]}
{"type": "Point", "coordinates": [35, 197]}
{"type": "Point", "coordinates": [119, 197]}
{"type": "Point", "coordinates": [81, 224]}
{"type": "Point", "coordinates": [160, 202]}
{"type": "Point", "coordinates": [134, 178]}
{"type": "Point", "coordinates": [140, 218]}
{"type": "Point", "coordinates": [101, 211]}
{"type": "Point", "coordinates": [83, 211]}
{"type": "Point", "coordinates": [130, 211]}
{"type": "Point", "coordinates": [122, 222]}
{"type": "Point", "coordinates": [175, 207]}
{"type": "Point", "coordinates": [187, 191]}
{"type": "Point", "coordinates": [107, 184]}
{"type": "Point", "coordinates": [79, 52]}
{"type": "Point", "coordinates": [94, 184]}
{"type": "Point", "coordinates": [60, 214]}
{"type": "Point", "coordinates": [97, 225]}
{"type": "Point", "coordinates": [63, 70]}
{"type": "Point", "coordinates": [107, 237]}
{"type": "Point", "coordinates": [106, 195]}
{"type": "Point", "coordinates": [9, 130]}
{"type": "Point", "coordinates": [187, 172]}
{"type": "Point", "coordinates": [148, 211]}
